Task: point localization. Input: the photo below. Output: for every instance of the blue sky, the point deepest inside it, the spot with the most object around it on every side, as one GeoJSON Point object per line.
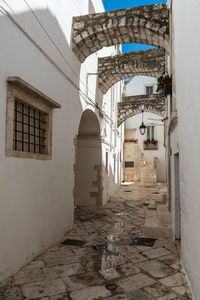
{"type": "Point", "coordinates": [117, 4]}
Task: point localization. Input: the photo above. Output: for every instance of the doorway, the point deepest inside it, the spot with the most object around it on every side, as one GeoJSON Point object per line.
{"type": "Point", "coordinates": [88, 166]}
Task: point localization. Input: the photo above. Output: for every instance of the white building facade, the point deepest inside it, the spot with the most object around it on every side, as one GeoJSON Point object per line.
{"type": "Point", "coordinates": [52, 115]}
{"type": "Point", "coordinates": [184, 135]}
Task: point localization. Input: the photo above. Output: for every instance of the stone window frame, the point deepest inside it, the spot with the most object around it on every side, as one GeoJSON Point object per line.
{"type": "Point", "coordinates": [149, 85]}
{"type": "Point", "coordinates": [19, 89]}
{"type": "Point", "coordinates": [155, 129]}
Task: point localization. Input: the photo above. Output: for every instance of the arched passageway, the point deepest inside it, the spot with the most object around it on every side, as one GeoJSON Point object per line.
{"type": "Point", "coordinates": [146, 152]}
{"type": "Point", "coordinates": [112, 69]}
{"type": "Point", "coordinates": [133, 105]}
{"type": "Point", "coordinates": [88, 166]}
{"type": "Point", "coordinates": [144, 24]}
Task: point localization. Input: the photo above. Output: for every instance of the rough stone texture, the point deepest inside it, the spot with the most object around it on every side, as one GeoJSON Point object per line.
{"type": "Point", "coordinates": [109, 274]}
{"type": "Point", "coordinates": [173, 280]}
{"type": "Point", "coordinates": [132, 152]}
{"type": "Point", "coordinates": [83, 273]}
{"type": "Point", "coordinates": [145, 24]}
{"type": "Point", "coordinates": [90, 293]}
{"type": "Point", "coordinates": [135, 282]}
{"type": "Point", "coordinates": [155, 253]}
{"type": "Point", "coordinates": [43, 288]}
{"type": "Point", "coordinates": [138, 63]}
{"type": "Point", "coordinates": [156, 269]}
{"type": "Point", "coordinates": [129, 269]}
{"type": "Point", "coordinates": [133, 105]}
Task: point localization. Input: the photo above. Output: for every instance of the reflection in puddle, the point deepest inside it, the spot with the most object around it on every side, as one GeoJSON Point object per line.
{"type": "Point", "coordinates": [119, 214]}
{"type": "Point", "coordinates": [119, 225]}
{"type": "Point", "coordinates": [108, 262]}
{"type": "Point", "coordinates": [112, 238]}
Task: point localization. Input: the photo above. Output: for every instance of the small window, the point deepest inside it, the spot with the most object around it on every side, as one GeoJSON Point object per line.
{"type": "Point", "coordinates": [28, 121]}
{"type": "Point", "coordinates": [30, 129]}
{"type": "Point", "coordinates": [150, 133]}
{"type": "Point", "coordinates": [129, 164]}
{"type": "Point", "coordinates": [149, 90]}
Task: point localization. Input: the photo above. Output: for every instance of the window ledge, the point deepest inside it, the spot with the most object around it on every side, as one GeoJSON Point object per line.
{"type": "Point", "coordinates": [17, 81]}
{"type": "Point", "coordinates": [23, 154]}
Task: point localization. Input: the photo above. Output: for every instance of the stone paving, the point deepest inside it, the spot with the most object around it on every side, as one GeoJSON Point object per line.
{"type": "Point", "coordinates": [107, 266]}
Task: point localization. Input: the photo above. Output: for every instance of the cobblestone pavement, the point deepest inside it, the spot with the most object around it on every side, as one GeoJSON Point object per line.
{"type": "Point", "coordinates": [107, 266]}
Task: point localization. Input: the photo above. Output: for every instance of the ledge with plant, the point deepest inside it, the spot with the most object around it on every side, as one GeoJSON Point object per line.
{"type": "Point", "coordinates": [164, 84]}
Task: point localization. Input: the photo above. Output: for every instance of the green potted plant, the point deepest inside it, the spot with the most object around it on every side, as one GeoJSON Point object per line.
{"type": "Point", "coordinates": [164, 84]}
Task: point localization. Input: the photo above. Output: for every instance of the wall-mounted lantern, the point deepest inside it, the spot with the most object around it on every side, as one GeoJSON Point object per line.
{"type": "Point", "coordinates": [142, 127]}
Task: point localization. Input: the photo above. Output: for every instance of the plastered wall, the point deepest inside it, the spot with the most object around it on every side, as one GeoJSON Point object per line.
{"type": "Point", "coordinates": [186, 24]}
{"type": "Point", "coordinates": [36, 197]}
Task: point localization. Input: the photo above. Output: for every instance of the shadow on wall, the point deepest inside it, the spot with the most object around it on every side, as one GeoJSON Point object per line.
{"type": "Point", "coordinates": [43, 24]}
{"type": "Point", "coordinates": [46, 184]}
{"type": "Point", "coordinates": [88, 171]}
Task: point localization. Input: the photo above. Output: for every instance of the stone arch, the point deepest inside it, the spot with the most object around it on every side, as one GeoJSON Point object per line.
{"type": "Point", "coordinates": [137, 63]}
{"type": "Point", "coordinates": [144, 24]}
{"type": "Point", "coordinates": [89, 124]}
{"type": "Point", "coordinates": [88, 162]}
{"type": "Point", "coordinates": [133, 105]}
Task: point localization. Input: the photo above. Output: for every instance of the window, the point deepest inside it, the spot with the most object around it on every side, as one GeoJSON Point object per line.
{"type": "Point", "coordinates": [30, 129]}
{"type": "Point", "coordinates": [149, 90]}
{"type": "Point", "coordinates": [150, 133]}
{"type": "Point", "coordinates": [28, 121]}
{"type": "Point", "coordinates": [129, 164]}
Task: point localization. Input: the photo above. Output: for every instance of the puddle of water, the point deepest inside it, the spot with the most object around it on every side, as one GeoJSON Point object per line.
{"type": "Point", "coordinates": [108, 262]}
{"type": "Point", "coordinates": [112, 238]}
{"type": "Point", "coordinates": [120, 214]}
{"type": "Point", "coordinates": [119, 225]}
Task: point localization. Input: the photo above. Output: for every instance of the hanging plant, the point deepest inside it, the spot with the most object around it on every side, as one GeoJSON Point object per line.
{"type": "Point", "coordinates": [147, 142]}
{"type": "Point", "coordinates": [164, 84]}
{"type": "Point", "coordinates": [130, 141]}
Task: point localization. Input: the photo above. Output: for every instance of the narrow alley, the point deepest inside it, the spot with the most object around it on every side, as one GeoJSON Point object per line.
{"type": "Point", "coordinates": [101, 259]}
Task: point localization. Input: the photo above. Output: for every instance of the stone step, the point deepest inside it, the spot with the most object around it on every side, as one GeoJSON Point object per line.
{"type": "Point", "coordinates": [148, 175]}
{"type": "Point", "coordinates": [158, 225]}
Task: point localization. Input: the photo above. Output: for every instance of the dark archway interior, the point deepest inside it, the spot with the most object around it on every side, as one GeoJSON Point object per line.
{"type": "Point", "coordinates": [88, 161]}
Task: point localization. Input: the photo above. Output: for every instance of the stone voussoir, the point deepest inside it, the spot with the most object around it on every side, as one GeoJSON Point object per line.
{"type": "Point", "coordinates": [137, 63]}
{"type": "Point", "coordinates": [133, 105]}
{"type": "Point", "coordinates": [144, 24]}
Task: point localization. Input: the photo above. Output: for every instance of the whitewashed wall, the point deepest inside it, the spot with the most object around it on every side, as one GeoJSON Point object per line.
{"type": "Point", "coordinates": [36, 197]}
{"type": "Point", "coordinates": [186, 23]}
{"type": "Point", "coordinates": [136, 86]}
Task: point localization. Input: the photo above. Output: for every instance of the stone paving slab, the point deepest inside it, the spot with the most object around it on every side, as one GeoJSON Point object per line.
{"type": "Point", "coordinates": [113, 269]}
{"type": "Point", "coordinates": [156, 269]}
{"type": "Point", "coordinates": [90, 293]}
{"type": "Point", "coordinates": [44, 288]}
{"type": "Point", "coordinates": [155, 253]}
{"type": "Point", "coordinates": [135, 282]}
